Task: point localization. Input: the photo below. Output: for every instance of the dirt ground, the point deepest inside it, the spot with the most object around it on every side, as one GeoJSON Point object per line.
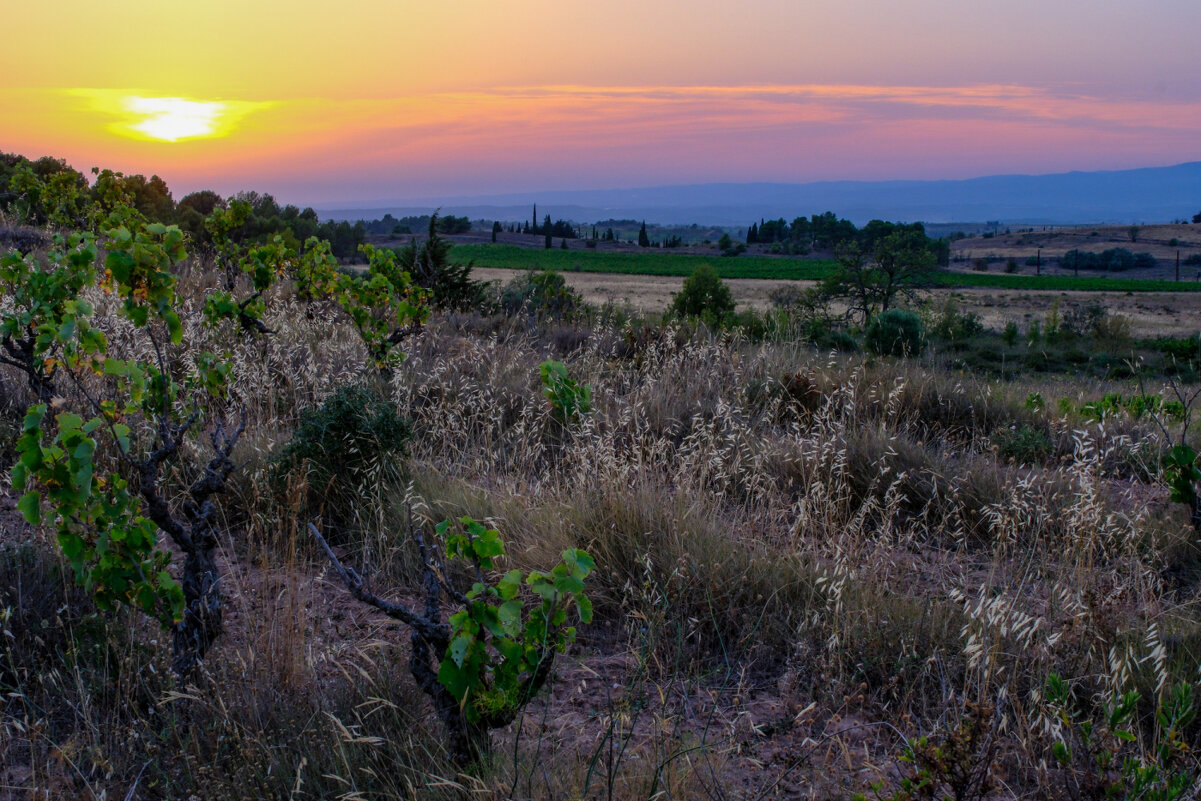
{"type": "Point", "coordinates": [1150, 313]}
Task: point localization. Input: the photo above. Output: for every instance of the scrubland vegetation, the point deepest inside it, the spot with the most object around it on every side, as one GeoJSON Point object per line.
{"type": "Point", "coordinates": [750, 557]}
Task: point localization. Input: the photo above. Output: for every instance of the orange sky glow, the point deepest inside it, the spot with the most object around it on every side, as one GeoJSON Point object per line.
{"type": "Point", "coordinates": [393, 100]}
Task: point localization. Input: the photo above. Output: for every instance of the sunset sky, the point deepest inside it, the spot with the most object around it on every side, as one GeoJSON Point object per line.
{"type": "Point", "coordinates": [328, 102]}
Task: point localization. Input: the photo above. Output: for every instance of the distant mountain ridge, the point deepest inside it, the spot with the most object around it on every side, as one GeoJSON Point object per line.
{"type": "Point", "coordinates": [1150, 194]}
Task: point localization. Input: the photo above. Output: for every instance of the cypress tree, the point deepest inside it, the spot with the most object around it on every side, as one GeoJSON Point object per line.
{"type": "Point", "coordinates": [644, 241]}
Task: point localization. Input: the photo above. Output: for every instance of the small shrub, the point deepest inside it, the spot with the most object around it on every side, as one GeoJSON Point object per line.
{"type": "Point", "coordinates": [568, 399]}
{"type": "Point", "coordinates": [1010, 335]}
{"type": "Point", "coordinates": [541, 295]}
{"type": "Point", "coordinates": [895, 333]}
{"type": "Point", "coordinates": [1034, 402]}
{"type": "Point", "coordinates": [354, 436]}
{"type": "Point", "coordinates": [704, 295]}
{"type": "Point", "coordinates": [1024, 445]}
{"type": "Point", "coordinates": [1011, 265]}
{"type": "Point", "coordinates": [951, 325]}
{"type": "Point", "coordinates": [1102, 758]}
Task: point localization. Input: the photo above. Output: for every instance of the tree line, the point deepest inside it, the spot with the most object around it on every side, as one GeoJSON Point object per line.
{"type": "Point", "coordinates": [827, 231]}
{"type": "Point", "coordinates": [48, 191]}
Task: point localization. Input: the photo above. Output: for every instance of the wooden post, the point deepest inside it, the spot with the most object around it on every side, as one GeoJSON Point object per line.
{"type": "Point", "coordinates": [1038, 262]}
{"type": "Point", "coordinates": [1178, 266]}
{"type": "Point", "coordinates": [1076, 266]}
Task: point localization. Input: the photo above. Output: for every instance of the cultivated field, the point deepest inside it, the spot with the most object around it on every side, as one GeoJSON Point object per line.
{"type": "Point", "coordinates": [1151, 314]}
{"type": "Point", "coordinates": [642, 262]}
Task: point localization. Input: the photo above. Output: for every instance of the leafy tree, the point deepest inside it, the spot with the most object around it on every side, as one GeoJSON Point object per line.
{"type": "Point", "coordinates": [80, 451]}
{"type": "Point", "coordinates": [772, 231]}
{"type": "Point", "coordinates": [1197, 218]}
{"type": "Point", "coordinates": [704, 295]}
{"type": "Point", "coordinates": [871, 282]}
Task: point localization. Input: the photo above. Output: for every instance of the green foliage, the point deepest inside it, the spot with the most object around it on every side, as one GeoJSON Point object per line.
{"type": "Point", "coordinates": [101, 526]}
{"type": "Point", "coordinates": [1035, 402]}
{"type": "Point", "coordinates": [383, 305]}
{"type": "Point", "coordinates": [1024, 444]}
{"type": "Point", "coordinates": [896, 332]}
{"type": "Point", "coordinates": [504, 637]}
{"type": "Point", "coordinates": [955, 765]}
{"type": "Point", "coordinates": [449, 284]}
{"type": "Point", "coordinates": [1182, 473]}
{"type": "Point", "coordinates": [950, 324]}
{"type": "Point", "coordinates": [568, 399]}
{"type": "Point", "coordinates": [704, 295]}
{"type": "Point", "coordinates": [110, 546]}
{"type": "Point", "coordinates": [1011, 333]}
{"type": "Point", "coordinates": [870, 279]}
{"type": "Point", "coordinates": [542, 295]}
{"type": "Point", "coordinates": [1100, 758]}
{"type": "Point", "coordinates": [1112, 404]}
{"type": "Point", "coordinates": [354, 436]}
{"type": "Point", "coordinates": [47, 323]}
{"type": "Point", "coordinates": [1111, 260]}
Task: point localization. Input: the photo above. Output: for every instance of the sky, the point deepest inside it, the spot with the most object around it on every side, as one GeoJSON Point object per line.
{"type": "Point", "coordinates": [388, 99]}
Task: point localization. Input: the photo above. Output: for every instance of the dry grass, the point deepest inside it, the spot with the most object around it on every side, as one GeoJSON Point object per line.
{"type": "Point", "coordinates": [801, 557]}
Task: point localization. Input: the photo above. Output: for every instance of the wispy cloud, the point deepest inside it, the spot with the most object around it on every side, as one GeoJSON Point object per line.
{"type": "Point", "coordinates": [581, 134]}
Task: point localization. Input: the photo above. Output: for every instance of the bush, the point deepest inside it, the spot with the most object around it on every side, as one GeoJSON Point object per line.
{"type": "Point", "coordinates": [895, 333]}
{"type": "Point", "coordinates": [950, 324]}
{"type": "Point", "coordinates": [1025, 445]}
{"type": "Point", "coordinates": [704, 295]}
{"type": "Point", "coordinates": [351, 439]}
{"type": "Point", "coordinates": [540, 294]}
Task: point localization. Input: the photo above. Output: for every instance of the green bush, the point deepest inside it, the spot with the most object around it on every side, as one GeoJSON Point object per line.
{"type": "Point", "coordinates": [569, 400]}
{"type": "Point", "coordinates": [950, 324]}
{"type": "Point", "coordinates": [895, 333]}
{"type": "Point", "coordinates": [704, 295]}
{"type": "Point", "coordinates": [353, 438]}
{"type": "Point", "coordinates": [1025, 444]}
{"type": "Point", "coordinates": [541, 294]}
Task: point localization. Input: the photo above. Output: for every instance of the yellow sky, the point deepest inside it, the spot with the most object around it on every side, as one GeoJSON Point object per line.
{"type": "Point", "coordinates": [388, 98]}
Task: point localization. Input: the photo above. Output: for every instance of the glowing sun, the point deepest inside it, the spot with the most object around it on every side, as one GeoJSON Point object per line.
{"type": "Point", "coordinates": [170, 119]}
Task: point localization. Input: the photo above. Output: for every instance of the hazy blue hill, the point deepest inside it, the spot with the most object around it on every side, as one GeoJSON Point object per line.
{"type": "Point", "coordinates": [1153, 194]}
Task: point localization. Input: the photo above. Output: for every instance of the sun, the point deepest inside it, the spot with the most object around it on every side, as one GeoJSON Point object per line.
{"type": "Point", "coordinates": [170, 119]}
